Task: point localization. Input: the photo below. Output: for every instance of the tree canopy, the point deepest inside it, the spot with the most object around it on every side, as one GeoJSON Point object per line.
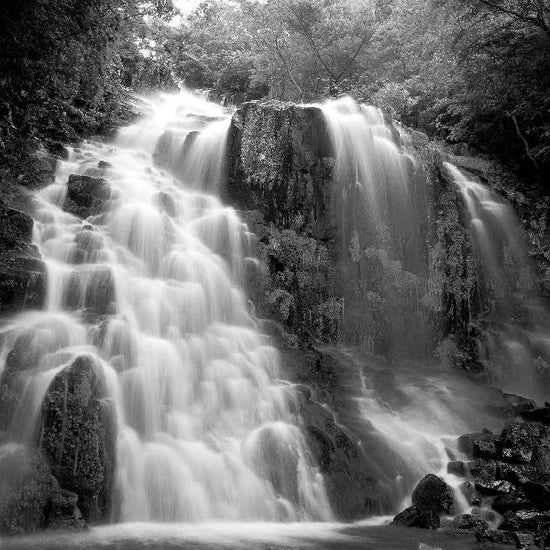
{"type": "Point", "coordinates": [475, 73]}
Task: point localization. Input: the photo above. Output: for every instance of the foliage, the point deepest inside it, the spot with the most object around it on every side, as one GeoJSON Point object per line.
{"type": "Point", "coordinates": [61, 65]}
{"type": "Point", "coordinates": [300, 289]}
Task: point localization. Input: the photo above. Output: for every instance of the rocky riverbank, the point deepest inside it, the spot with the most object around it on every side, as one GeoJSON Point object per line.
{"type": "Point", "coordinates": [508, 473]}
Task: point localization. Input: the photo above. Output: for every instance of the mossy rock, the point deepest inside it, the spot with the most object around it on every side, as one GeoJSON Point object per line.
{"type": "Point", "coordinates": [78, 436]}
{"type": "Point", "coordinates": [25, 486]}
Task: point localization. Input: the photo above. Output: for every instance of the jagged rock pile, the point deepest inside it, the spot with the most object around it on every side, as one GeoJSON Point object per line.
{"type": "Point", "coordinates": [509, 473]}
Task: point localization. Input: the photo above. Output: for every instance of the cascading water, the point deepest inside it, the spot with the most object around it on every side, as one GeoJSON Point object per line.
{"type": "Point", "coordinates": [145, 290]}
{"type": "Point", "coordinates": [408, 417]}
{"type": "Point", "coordinates": [373, 173]}
{"type": "Point", "coordinates": [516, 346]}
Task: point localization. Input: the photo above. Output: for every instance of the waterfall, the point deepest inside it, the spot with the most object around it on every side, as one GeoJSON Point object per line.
{"type": "Point", "coordinates": [146, 290]}
{"type": "Point", "coordinates": [381, 202]}
{"type": "Point", "coordinates": [516, 344]}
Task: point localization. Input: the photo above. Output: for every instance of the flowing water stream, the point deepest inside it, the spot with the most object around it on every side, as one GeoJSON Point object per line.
{"type": "Point", "coordinates": [148, 290]}
{"type": "Point", "coordinates": [516, 344]}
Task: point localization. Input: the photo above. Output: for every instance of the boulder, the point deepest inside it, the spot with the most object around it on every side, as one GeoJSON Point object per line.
{"type": "Point", "coordinates": [23, 281]}
{"type": "Point", "coordinates": [22, 271]}
{"type": "Point", "coordinates": [525, 520]}
{"type": "Point", "coordinates": [469, 522]}
{"type": "Point", "coordinates": [411, 517]}
{"type": "Point", "coordinates": [433, 494]}
{"type": "Point", "coordinates": [15, 229]}
{"type": "Point", "coordinates": [520, 439]}
{"type": "Point", "coordinates": [25, 485]}
{"type": "Point", "coordinates": [35, 167]}
{"type": "Point", "coordinates": [515, 500]}
{"type": "Point", "coordinates": [518, 404]}
{"type": "Point", "coordinates": [279, 165]}
{"type": "Point", "coordinates": [480, 445]}
{"type": "Point", "coordinates": [525, 541]}
{"type": "Point", "coordinates": [64, 513]}
{"type": "Point", "coordinates": [86, 195]}
{"type": "Point", "coordinates": [79, 434]}
{"type": "Point", "coordinates": [431, 498]}
{"type": "Point", "coordinates": [494, 536]}
{"type": "Point", "coordinates": [485, 473]}
{"type": "Point", "coordinates": [541, 415]}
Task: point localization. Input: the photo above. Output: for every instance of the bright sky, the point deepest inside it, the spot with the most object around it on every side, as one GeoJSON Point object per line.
{"type": "Point", "coordinates": [186, 6]}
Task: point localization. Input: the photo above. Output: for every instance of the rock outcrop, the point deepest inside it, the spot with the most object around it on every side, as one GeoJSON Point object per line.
{"type": "Point", "coordinates": [78, 437]}
{"type": "Point", "coordinates": [86, 195]}
{"type": "Point", "coordinates": [431, 499]}
{"type": "Point", "coordinates": [280, 164]}
{"type": "Point", "coordinates": [22, 271]}
{"type": "Point", "coordinates": [25, 488]}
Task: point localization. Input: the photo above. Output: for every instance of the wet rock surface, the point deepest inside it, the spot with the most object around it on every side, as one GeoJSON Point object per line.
{"type": "Point", "coordinates": [513, 479]}
{"type": "Point", "coordinates": [431, 499]}
{"type": "Point", "coordinates": [86, 195]}
{"type": "Point", "coordinates": [351, 479]}
{"type": "Point", "coordinates": [78, 437]}
{"type": "Point", "coordinates": [279, 164]}
{"type": "Point", "coordinates": [25, 486]}
{"type": "Point", "coordinates": [22, 271]}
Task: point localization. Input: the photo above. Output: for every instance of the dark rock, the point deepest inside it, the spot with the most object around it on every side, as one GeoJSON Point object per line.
{"type": "Point", "coordinates": [515, 500]}
{"type": "Point", "coordinates": [36, 169]}
{"type": "Point", "coordinates": [457, 468]}
{"type": "Point", "coordinates": [431, 498]}
{"type": "Point", "coordinates": [494, 536]}
{"type": "Point", "coordinates": [409, 517]}
{"type": "Point", "coordinates": [520, 439]}
{"type": "Point", "coordinates": [86, 195]}
{"type": "Point", "coordinates": [538, 494]}
{"type": "Point", "coordinates": [278, 165]}
{"type": "Point", "coordinates": [103, 164]}
{"type": "Point", "coordinates": [64, 512]}
{"type": "Point", "coordinates": [15, 229]}
{"type": "Point", "coordinates": [469, 522]}
{"type": "Point", "coordinates": [525, 520]}
{"type": "Point", "coordinates": [58, 150]}
{"type": "Point", "coordinates": [518, 404]}
{"type": "Point", "coordinates": [518, 474]}
{"type": "Point", "coordinates": [541, 459]}
{"type": "Point", "coordinates": [23, 281]}
{"type": "Point", "coordinates": [78, 436]}
{"type": "Point", "coordinates": [432, 493]}
{"type": "Point", "coordinates": [480, 445]}
{"type": "Point", "coordinates": [22, 272]}
{"type": "Point", "coordinates": [525, 541]}
{"type": "Point", "coordinates": [541, 415]}
{"type": "Point", "coordinates": [25, 484]}
{"type": "Point", "coordinates": [486, 475]}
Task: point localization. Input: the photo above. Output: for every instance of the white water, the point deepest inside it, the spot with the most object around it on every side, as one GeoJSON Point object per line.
{"type": "Point", "coordinates": [150, 291]}
{"type": "Point", "coordinates": [516, 349]}
{"type": "Point", "coordinates": [372, 172]}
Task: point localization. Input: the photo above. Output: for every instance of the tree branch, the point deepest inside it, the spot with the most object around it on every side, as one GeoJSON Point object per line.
{"type": "Point", "coordinates": [537, 21]}
{"type": "Point", "coordinates": [524, 141]}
